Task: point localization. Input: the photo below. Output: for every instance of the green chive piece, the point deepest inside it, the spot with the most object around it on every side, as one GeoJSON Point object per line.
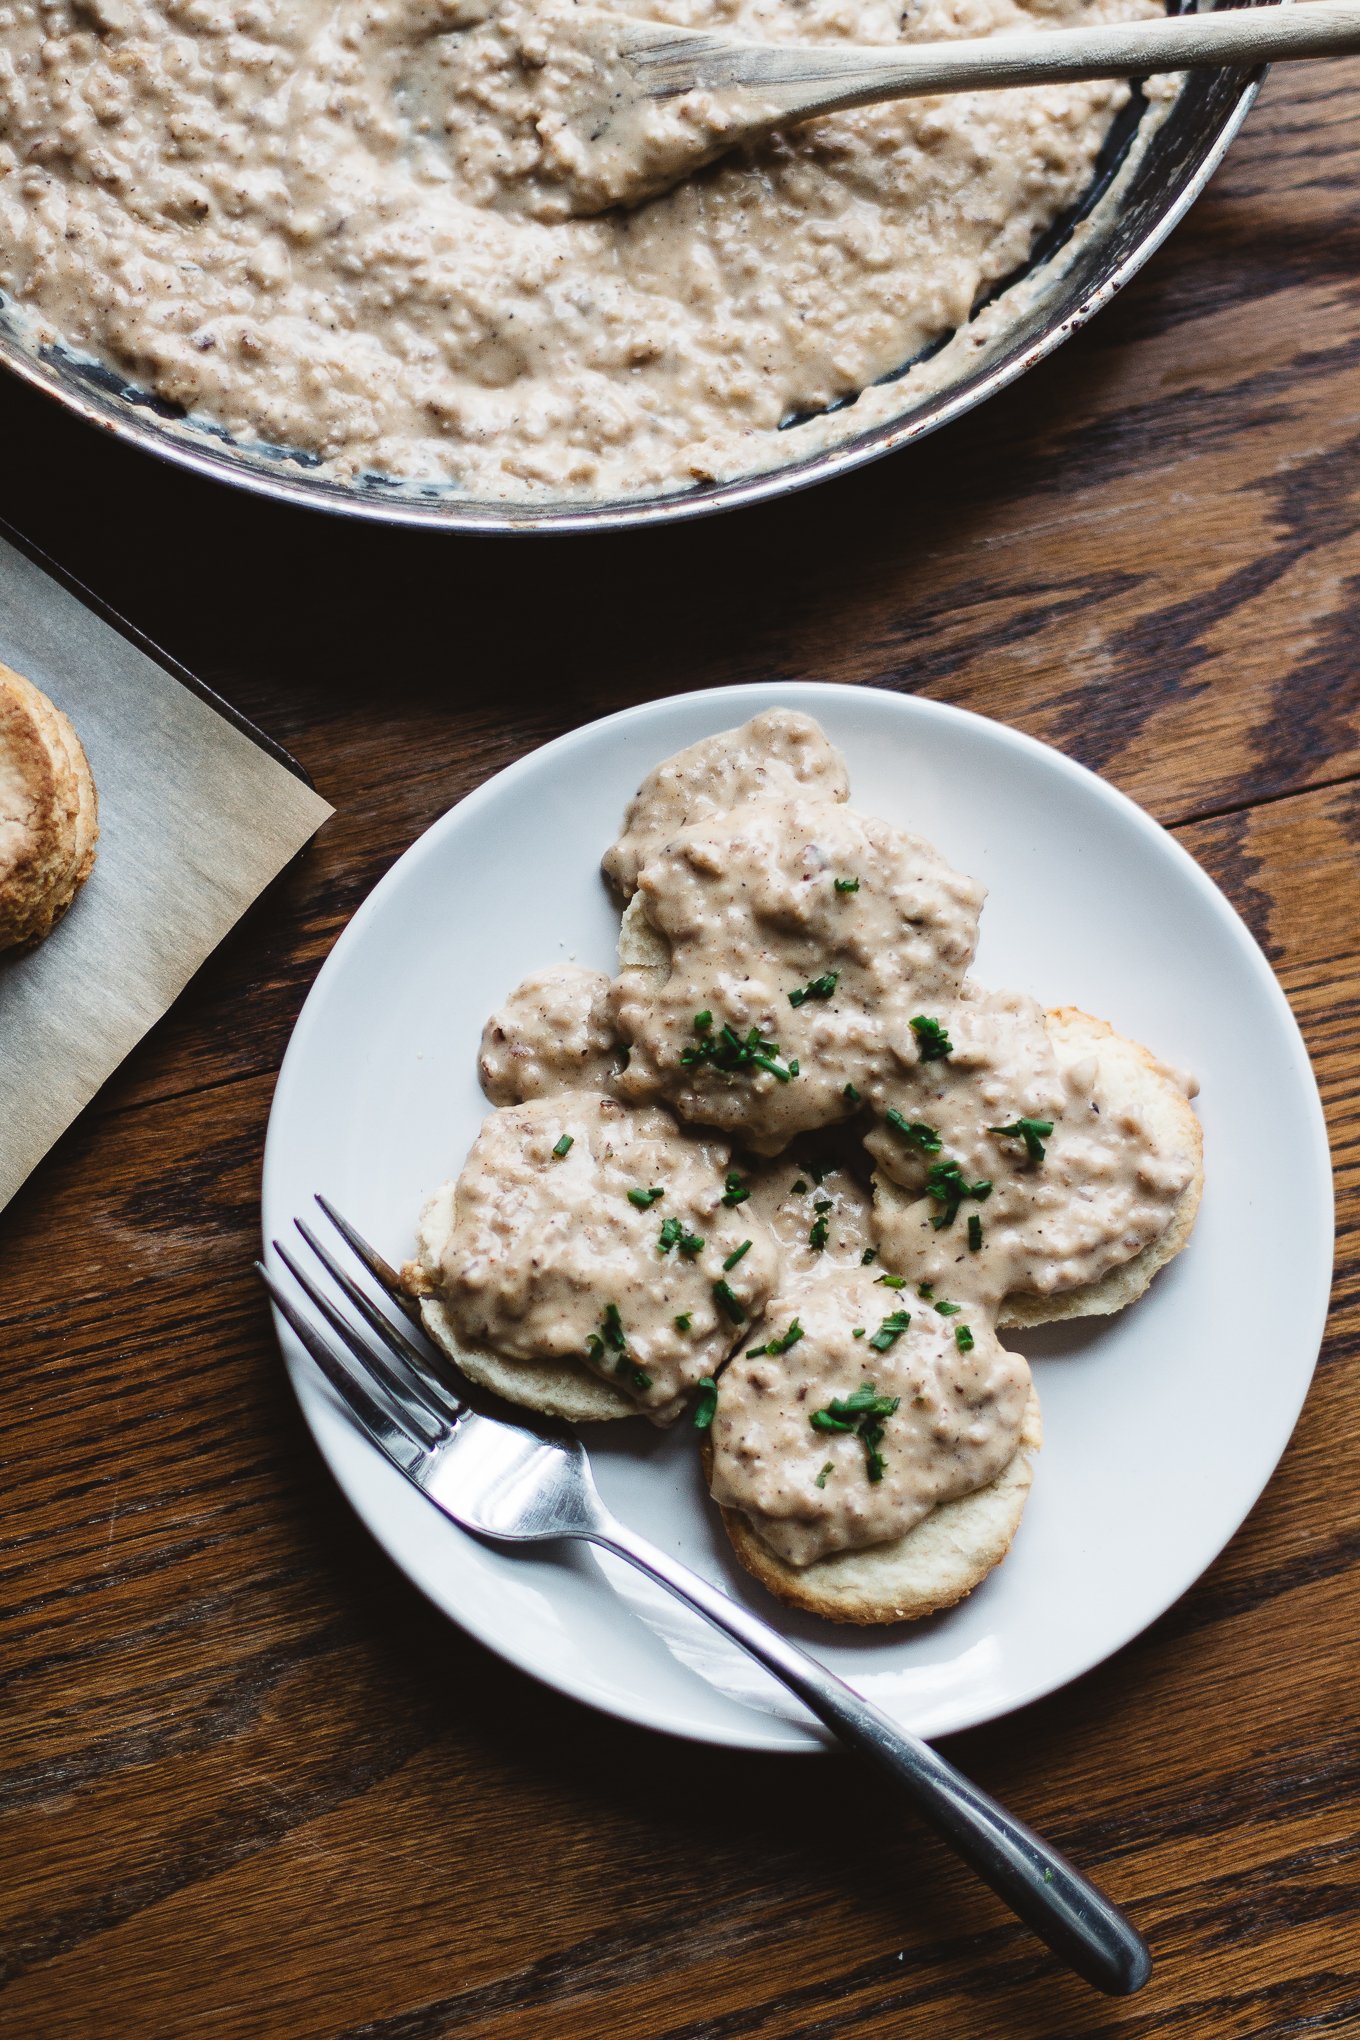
{"type": "Point", "coordinates": [737, 1253]}
{"type": "Point", "coordinates": [914, 1131]}
{"type": "Point", "coordinates": [925, 1290]}
{"type": "Point", "coordinates": [847, 885]}
{"type": "Point", "coordinates": [963, 1338]}
{"type": "Point", "coordinates": [673, 1234]}
{"type": "Point", "coordinates": [858, 1332]}
{"type": "Point", "coordinates": [818, 1235]}
{"type": "Point", "coordinates": [820, 988]}
{"type": "Point", "coordinates": [868, 1257]}
{"type": "Point", "coordinates": [736, 1310]}
{"type": "Point", "coordinates": [613, 1328]}
{"type": "Point", "coordinates": [947, 1309]}
{"type": "Point", "coordinates": [728, 1052]}
{"type": "Point", "coordinates": [734, 1192]}
{"type": "Point", "coordinates": [890, 1331]}
{"type": "Point", "coordinates": [683, 1322]}
{"type": "Point", "coordinates": [1033, 1132]}
{"type": "Point", "coordinates": [863, 1412]}
{"type": "Point", "coordinates": [892, 1281]}
{"type": "Point", "coordinates": [974, 1233]}
{"type": "Point", "coordinates": [566, 1142]}
{"type": "Point", "coordinates": [644, 1199]}
{"type": "Point", "coordinates": [793, 1065]}
{"type": "Point", "coordinates": [800, 1188]}
{"type": "Point", "coordinates": [947, 1184]}
{"type": "Point", "coordinates": [826, 1471]}
{"type": "Point", "coordinates": [777, 1346]}
{"type": "Point", "coordinates": [932, 1043]}
{"type": "Point", "coordinates": [706, 1404]}
{"type": "Point", "coordinates": [636, 1376]}
{"type": "Point", "coordinates": [851, 1093]}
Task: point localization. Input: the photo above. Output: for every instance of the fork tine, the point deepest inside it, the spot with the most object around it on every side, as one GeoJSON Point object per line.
{"type": "Point", "coordinates": [425, 1384]}
{"type": "Point", "coordinates": [372, 1418]}
{"type": "Point", "coordinates": [428, 1427]}
{"type": "Point", "coordinates": [383, 1273]}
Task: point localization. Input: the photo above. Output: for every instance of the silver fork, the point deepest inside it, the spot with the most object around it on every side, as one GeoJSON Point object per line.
{"type": "Point", "coordinates": [520, 1486]}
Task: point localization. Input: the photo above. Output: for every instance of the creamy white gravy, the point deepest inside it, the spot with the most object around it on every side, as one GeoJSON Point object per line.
{"type": "Point", "coordinates": [245, 207]}
{"type": "Point", "coordinates": [554, 1033]}
{"type": "Point", "coordinates": [1009, 1222]}
{"type": "Point", "coordinates": [802, 932]}
{"type": "Point", "coordinates": [735, 847]}
{"type": "Point", "coordinates": [954, 1425]}
{"type": "Point", "coordinates": [551, 1258]}
{"type": "Point", "coordinates": [778, 752]}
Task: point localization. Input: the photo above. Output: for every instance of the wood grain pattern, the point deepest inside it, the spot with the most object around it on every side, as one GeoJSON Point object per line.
{"type": "Point", "coordinates": [249, 1784]}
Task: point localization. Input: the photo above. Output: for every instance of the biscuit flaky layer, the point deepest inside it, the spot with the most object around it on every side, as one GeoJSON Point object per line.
{"type": "Point", "coordinates": [49, 817]}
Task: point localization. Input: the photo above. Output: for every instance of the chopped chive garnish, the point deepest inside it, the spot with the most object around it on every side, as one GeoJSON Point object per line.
{"type": "Point", "coordinates": [777, 1346]}
{"type": "Point", "coordinates": [914, 1131]}
{"type": "Point", "coordinates": [817, 1236]}
{"type": "Point", "coordinates": [723, 1294]}
{"type": "Point", "coordinates": [563, 1145]}
{"type": "Point", "coordinates": [673, 1234]}
{"type": "Point", "coordinates": [974, 1233]}
{"type": "Point", "coordinates": [729, 1052]}
{"type": "Point", "coordinates": [644, 1199]}
{"type": "Point", "coordinates": [851, 1093]}
{"type": "Point", "coordinates": [706, 1404]}
{"type": "Point", "coordinates": [819, 988]}
{"type": "Point", "coordinates": [793, 1065]}
{"type": "Point", "coordinates": [1033, 1132]}
{"type": "Point", "coordinates": [868, 1257]}
{"type": "Point", "coordinates": [948, 1185]}
{"type": "Point", "coordinates": [963, 1338]}
{"type": "Point", "coordinates": [926, 1290]}
{"type": "Point", "coordinates": [683, 1322]}
{"type": "Point", "coordinates": [890, 1331]}
{"type": "Point", "coordinates": [821, 1204]}
{"type": "Point", "coordinates": [847, 885]}
{"type": "Point", "coordinates": [892, 1281]}
{"type": "Point", "coordinates": [734, 1190]}
{"type": "Point", "coordinates": [611, 1333]}
{"type": "Point", "coordinates": [947, 1309]}
{"type": "Point", "coordinates": [863, 1412]}
{"type": "Point", "coordinates": [858, 1332]}
{"type": "Point", "coordinates": [737, 1253]}
{"type": "Point", "coordinates": [800, 1188]}
{"type": "Point", "coordinates": [825, 1473]}
{"type": "Point", "coordinates": [932, 1043]}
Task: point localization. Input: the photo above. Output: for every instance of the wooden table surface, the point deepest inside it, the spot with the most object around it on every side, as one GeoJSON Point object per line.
{"type": "Point", "coordinates": [250, 1784]}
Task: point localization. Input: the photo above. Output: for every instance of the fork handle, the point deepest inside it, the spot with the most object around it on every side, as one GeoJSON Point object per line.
{"type": "Point", "coordinates": [1050, 1895]}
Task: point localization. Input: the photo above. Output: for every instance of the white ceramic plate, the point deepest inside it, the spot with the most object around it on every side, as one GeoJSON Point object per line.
{"type": "Point", "coordinates": [1161, 1426]}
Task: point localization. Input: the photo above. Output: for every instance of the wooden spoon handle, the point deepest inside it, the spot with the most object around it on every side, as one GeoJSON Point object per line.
{"type": "Point", "coordinates": [825, 78]}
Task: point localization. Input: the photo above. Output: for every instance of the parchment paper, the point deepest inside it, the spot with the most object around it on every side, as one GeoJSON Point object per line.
{"type": "Point", "coordinates": [195, 820]}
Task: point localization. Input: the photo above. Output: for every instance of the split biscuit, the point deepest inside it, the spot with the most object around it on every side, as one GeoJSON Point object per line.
{"type": "Point", "coordinates": [939, 1561]}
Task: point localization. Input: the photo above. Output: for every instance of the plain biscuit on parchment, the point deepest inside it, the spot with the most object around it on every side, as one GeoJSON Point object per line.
{"type": "Point", "coordinates": [49, 817]}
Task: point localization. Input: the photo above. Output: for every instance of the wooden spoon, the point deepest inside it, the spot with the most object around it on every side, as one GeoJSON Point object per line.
{"type": "Point", "coordinates": [639, 105]}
